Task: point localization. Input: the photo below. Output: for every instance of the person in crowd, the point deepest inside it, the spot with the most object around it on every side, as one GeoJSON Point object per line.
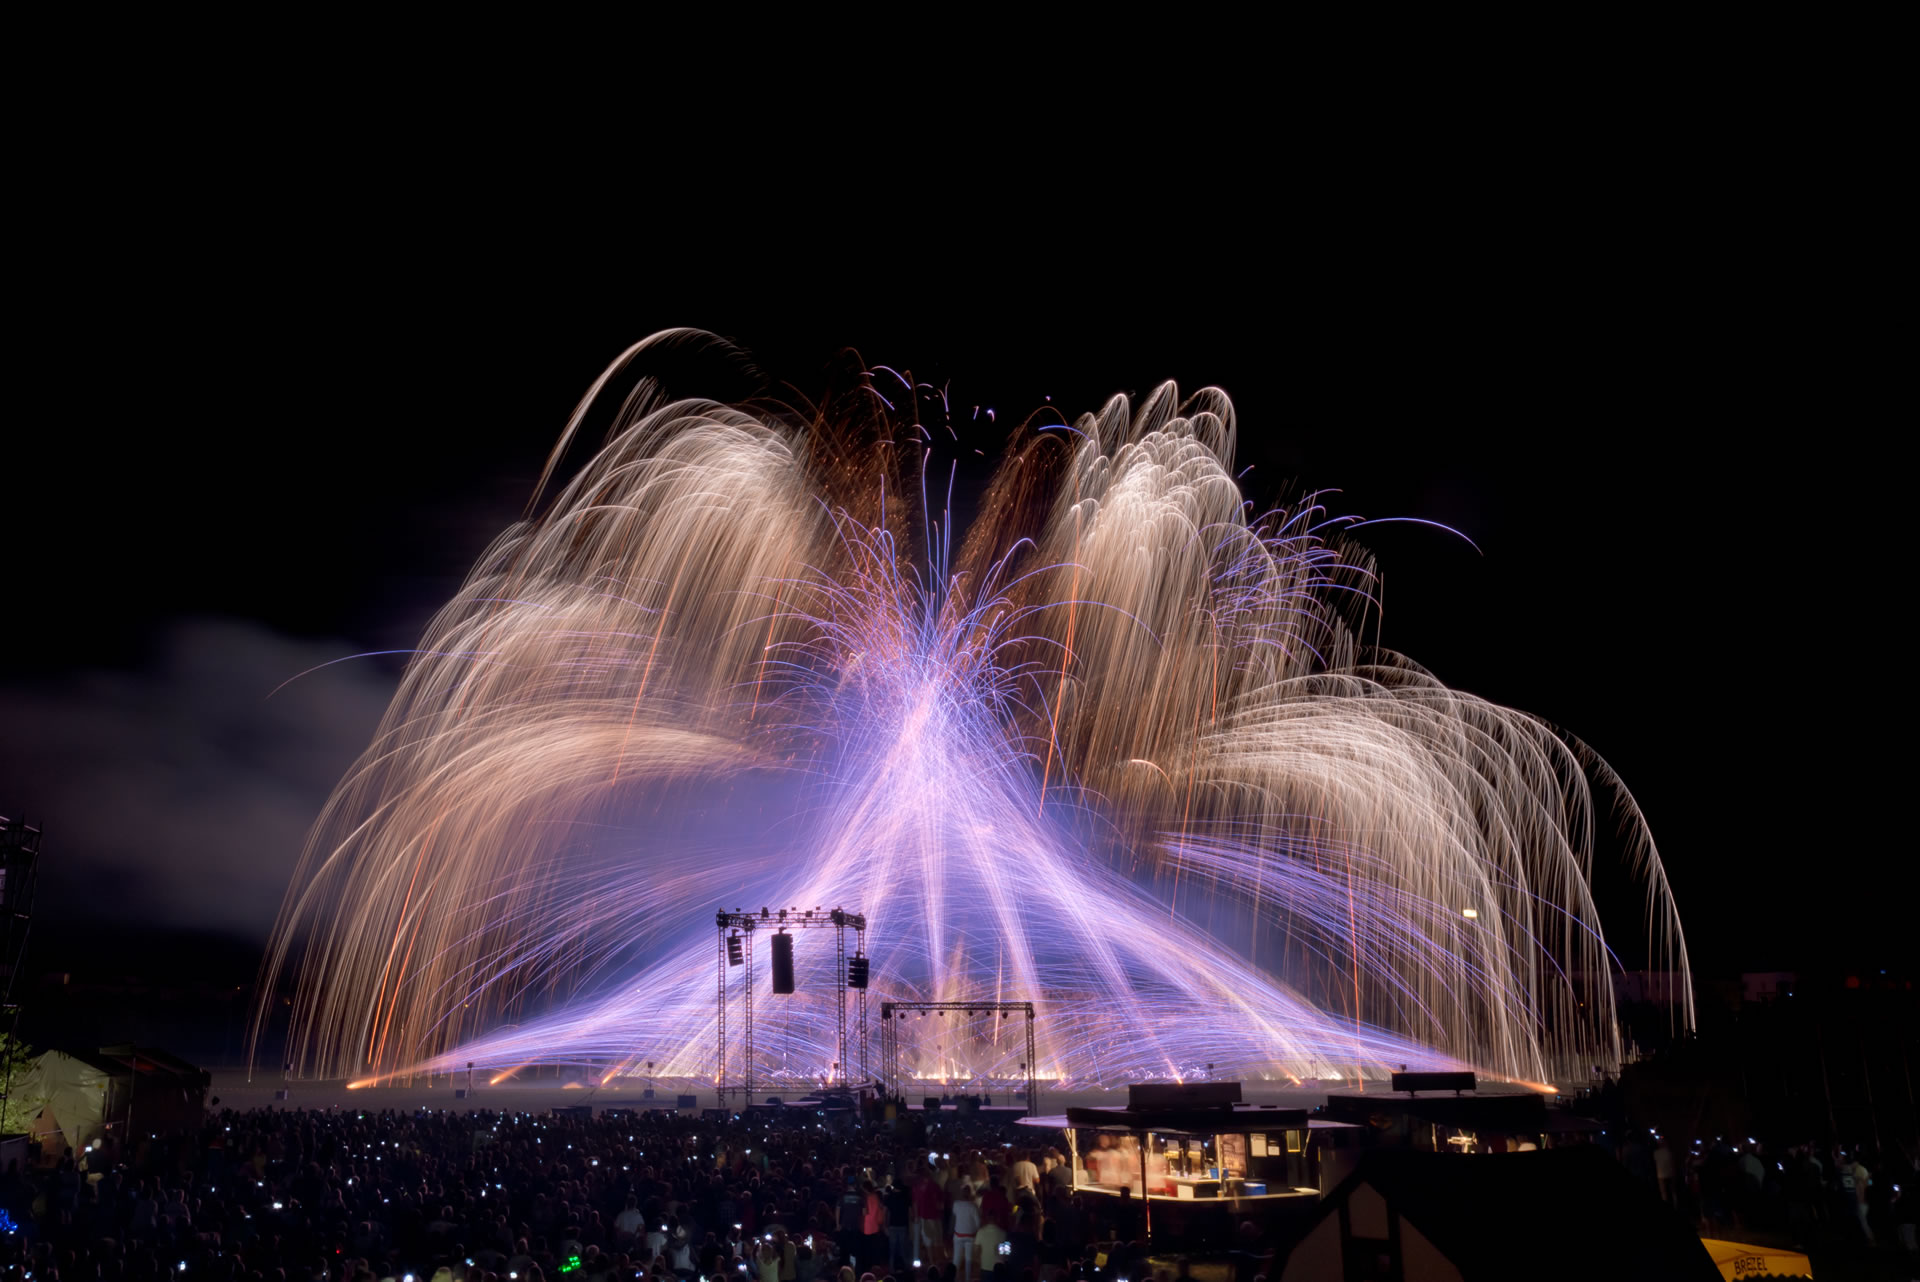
{"type": "Point", "coordinates": [1749, 1183]}
{"type": "Point", "coordinates": [930, 1217]}
{"type": "Point", "coordinates": [1023, 1175]}
{"type": "Point", "coordinates": [873, 1223]}
{"type": "Point", "coordinates": [767, 1260]}
{"type": "Point", "coordinates": [987, 1242]}
{"type": "Point", "coordinates": [627, 1224]}
{"type": "Point", "coordinates": [995, 1207]}
{"type": "Point", "coordinates": [966, 1224]}
{"type": "Point", "coordinates": [1859, 1180]}
{"type": "Point", "coordinates": [899, 1218]}
{"type": "Point", "coordinates": [852, 1222]}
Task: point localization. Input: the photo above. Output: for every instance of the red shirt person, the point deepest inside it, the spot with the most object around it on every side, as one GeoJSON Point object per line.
{"type": "Point", "coordinates": [930, 1219]}
{"type": "Point", "coordinates": [995, 1209]}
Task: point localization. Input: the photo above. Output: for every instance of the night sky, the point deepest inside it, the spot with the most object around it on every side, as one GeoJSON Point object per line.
{"type": "Point", "coordinates": [275, 445]}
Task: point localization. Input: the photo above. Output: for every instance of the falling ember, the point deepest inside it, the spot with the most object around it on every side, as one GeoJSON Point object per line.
{"type": "Point", "coordinates": [739, 658]}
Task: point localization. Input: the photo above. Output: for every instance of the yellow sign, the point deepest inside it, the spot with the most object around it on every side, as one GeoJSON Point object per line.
{"type": "Point", "coordinates": [1743, 1260]}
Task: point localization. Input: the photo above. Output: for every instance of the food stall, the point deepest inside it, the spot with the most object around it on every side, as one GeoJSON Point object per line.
{"type": "Point", "coordinates": [1195, 1157]}
{"type": "Point", "coordinates": [1412, 1115]}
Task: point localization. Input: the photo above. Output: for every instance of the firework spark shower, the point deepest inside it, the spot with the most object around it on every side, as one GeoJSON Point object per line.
{"type": "Point", "coordinates": [1127, 748]}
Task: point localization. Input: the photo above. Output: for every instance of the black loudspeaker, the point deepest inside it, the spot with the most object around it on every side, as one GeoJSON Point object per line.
{"type": "Point", "coordinates": [735, 954]}
{"type": "Point", "coordinates": [783, 963]}
{"type": "Point", "coordinates": [856, 972]}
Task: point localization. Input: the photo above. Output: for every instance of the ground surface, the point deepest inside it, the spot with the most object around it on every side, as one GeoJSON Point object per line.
{"type": "Point", "coordinates": [234, 1090]}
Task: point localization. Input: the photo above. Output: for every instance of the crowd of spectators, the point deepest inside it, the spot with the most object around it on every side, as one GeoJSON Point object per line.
{"type": "Point", "coordinates": [343, 1195]}
{"type": "Point", "coordinates": [1805, 1192]}
{"type": "Point", "coordinates": [349, 1196]}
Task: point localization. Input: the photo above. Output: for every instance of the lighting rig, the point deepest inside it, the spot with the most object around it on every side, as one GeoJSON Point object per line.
{"type": "Point", "coordinates": [893, 1017]}
{"type": "Point", "coordinates": [736, 931]}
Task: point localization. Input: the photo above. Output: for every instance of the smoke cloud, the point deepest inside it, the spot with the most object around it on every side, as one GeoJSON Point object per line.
{"type": "Point", "coordinates": [180, 794]}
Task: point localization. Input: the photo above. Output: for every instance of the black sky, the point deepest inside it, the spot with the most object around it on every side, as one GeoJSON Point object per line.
{"type": "Point", "coordinates": [276, 432]}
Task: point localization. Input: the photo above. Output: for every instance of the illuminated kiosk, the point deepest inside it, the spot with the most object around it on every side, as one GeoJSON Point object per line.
{"type": "Point", "coordinates": [1447, 1112]}
{"type": "Point", "coordinates": [1197, 1159]}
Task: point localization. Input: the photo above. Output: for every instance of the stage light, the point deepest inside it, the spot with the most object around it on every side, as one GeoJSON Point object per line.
{"type": "Point", "coordinates": [783, 963]}
{"type": "Point", "coordinates": [856, 971]}
{"type": "Point", "coordinates": [1469, 912]}
{"type": "Point", "coordinates": [736, 955]}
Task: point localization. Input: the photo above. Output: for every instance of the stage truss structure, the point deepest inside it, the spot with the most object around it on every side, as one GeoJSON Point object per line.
{"type": "Point", "coordinates": [743, 925]}
{"type": "Point", "coordinates": [893, 1019]}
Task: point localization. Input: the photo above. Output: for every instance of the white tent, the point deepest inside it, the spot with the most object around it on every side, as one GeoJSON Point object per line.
{"type": "Point", "coordinates": [71, 1099]}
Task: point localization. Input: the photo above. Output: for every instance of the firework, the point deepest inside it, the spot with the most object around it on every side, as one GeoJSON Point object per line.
{"type": "Point", "coordinates": [1125, 751]}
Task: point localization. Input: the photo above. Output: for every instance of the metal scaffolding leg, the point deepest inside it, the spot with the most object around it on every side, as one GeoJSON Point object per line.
{"type": "Point", "coordinates": [888, 1086]}
{"type": "Point", "coordinates": [1033, 1072]}
{"type": "Point", "coordinates": [747, 1071]}
{"type": "Point", "coordinates": [860, 949]}
{"type": "Point", "coordinates": [840, 998]}
{"type": "Point", "coordinates": [720, 1052]}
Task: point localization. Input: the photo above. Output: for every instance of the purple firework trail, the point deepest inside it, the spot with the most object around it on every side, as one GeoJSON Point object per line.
{"type": "Point", "coordinates": [1123, 751]}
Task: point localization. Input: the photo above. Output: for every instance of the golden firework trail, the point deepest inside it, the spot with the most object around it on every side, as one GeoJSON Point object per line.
{"type": "Point", "coordinates": [1123, 750]}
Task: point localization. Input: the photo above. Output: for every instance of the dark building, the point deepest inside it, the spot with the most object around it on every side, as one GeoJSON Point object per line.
{"type": "Point", "coordinates": [1573, 1213]}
